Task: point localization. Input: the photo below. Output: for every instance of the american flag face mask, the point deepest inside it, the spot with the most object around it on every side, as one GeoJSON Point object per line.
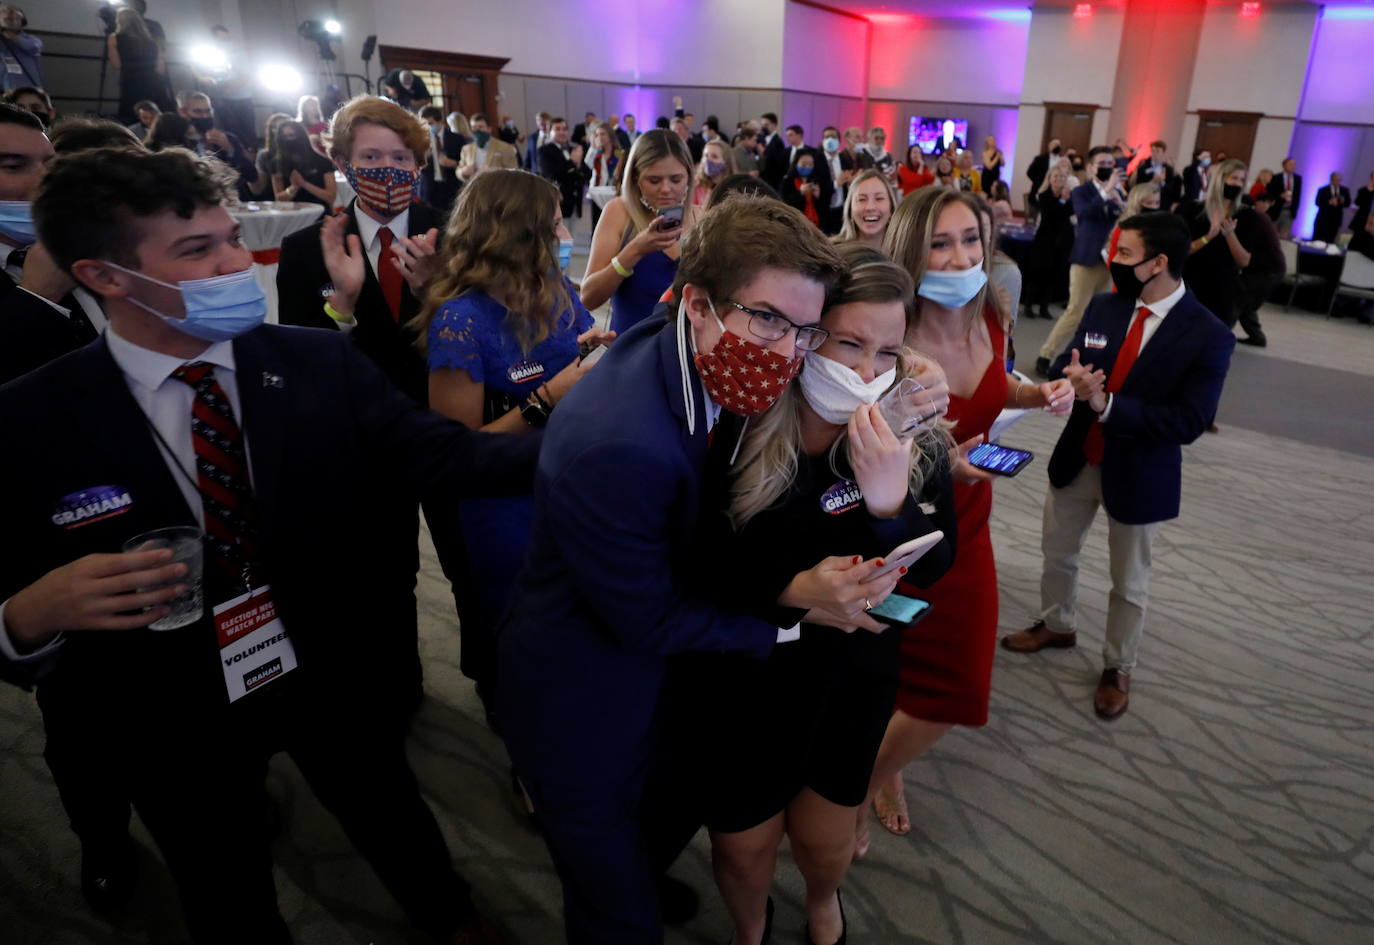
{"type": "Point", "coordinates": [388, 190]}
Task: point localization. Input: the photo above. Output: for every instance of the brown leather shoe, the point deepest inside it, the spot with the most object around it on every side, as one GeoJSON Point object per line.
{"type": "Point", "coordinates": [1113, 694]}
{"type": "Point", "coordinates": [1036, 638]}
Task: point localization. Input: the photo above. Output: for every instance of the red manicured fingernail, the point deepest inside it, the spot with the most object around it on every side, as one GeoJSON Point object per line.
{"type": "Point", "coordinates": [881, 562]}
{"type": "Point", "coordinates": [901, 570]}
{"type": "Point", "coordinates": [856, 560]}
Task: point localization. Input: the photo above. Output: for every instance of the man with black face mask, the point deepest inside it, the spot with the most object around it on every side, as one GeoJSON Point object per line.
{"type": "Point", "coordinates": [1096, 203]}
{"type": "Point", "coordinates": [224, 145]}
{"type": "Point", "coordinates": [1147, 366]}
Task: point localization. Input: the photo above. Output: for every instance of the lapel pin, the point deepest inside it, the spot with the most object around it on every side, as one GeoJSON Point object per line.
{"type": "Point", "coordinates": [274, 381]}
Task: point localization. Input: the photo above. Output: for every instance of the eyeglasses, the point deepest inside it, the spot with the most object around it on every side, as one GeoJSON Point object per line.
{"type": "Point", "coordinates": [770, 326]}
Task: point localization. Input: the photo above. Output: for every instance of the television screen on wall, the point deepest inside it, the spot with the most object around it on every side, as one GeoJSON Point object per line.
{"type": "Point", "coordinates": [937, 135]}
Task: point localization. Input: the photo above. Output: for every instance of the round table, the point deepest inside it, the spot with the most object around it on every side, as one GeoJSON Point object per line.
{"type": "Point", "coordinates": [264, 227]}
{"type": "Point", "coordinates": [343, 192]}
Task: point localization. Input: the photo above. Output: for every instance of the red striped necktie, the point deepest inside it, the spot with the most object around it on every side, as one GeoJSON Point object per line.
{"type": "Point", "coordinates": [221, 473]}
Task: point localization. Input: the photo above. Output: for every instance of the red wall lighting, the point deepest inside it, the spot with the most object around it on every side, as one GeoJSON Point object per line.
{"type": "Point", "coordinates": [1083, 9]}
{"type": "Point", "coordinates": [1249, 9]}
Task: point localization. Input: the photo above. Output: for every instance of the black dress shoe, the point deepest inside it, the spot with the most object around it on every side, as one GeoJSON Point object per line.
{"type": "Point", "coordinates": [1042, 367]}
{"type": "Point", "coordinates": [844, 926]}
{"type": "Point", "coordinates": [1256, 341]}
{"type": "Point", "coordinates": [678, 901]}
{"type": "Point", "coordinates": [1045, 314]}
{"type": "Point", "coordinates": [108, 871]}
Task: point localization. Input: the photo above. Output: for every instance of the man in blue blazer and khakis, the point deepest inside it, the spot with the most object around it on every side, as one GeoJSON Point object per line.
{"type": "Point", "coordinates": [1147, 366]}
{"type": "Point", "coordinates": [1096, 205]}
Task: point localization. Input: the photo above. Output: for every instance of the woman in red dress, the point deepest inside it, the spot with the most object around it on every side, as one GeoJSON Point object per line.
{"type": "Point", "coordinates": [946, 669]}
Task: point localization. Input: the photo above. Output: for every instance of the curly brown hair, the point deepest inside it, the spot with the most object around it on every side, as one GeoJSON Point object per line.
{"type": "Point", "coordinates": [90, 202]}
{"type": "Point", "coordinates": [500, 241]}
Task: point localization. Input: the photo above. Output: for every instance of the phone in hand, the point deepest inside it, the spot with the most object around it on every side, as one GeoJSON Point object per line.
{"type": "Point", "coordinates": [898, 610]}
{"type": "Point", "coordinates": [593, 356]}
{"type": "Point", "coordinates": [999, 459]}
{"type": "Point", "coordinates": [908, 553]}
{"type": "Point", "coordinates": [670, 217]}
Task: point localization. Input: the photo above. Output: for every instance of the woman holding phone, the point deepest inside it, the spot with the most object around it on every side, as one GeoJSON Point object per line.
{"type": "Point", "coordinates": [635, 248]}
{"type": "Point", "coordinates": [938, 237]}
{"type": "Point", "coordinates": [787, 744]}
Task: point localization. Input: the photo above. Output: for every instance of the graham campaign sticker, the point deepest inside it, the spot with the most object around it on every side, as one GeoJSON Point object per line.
{"type": "Point", "coordinates": [524, 371]}
{"type": "Point", "coordinates": [841, 497]}
{"type": "Point", "coordinates": [91, 505]}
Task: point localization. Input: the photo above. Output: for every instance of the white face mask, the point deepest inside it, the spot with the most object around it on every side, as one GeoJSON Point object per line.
{"type": "Point", "coordinates": [835, 391]}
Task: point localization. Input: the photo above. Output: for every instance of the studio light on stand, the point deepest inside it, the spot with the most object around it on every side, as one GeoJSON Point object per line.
{"type": "Point", "coordinates": [322, 33]}
{"type": "Point", "coordinates": [280, 79]}
{"type": "Point", "coordinates": [369, 47]}
{"type": "Point", "coordinates": [210, 60]}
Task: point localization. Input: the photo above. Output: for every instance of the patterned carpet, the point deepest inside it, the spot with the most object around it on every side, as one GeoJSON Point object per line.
{"type": "Point", "coordinates": [1233, 804]}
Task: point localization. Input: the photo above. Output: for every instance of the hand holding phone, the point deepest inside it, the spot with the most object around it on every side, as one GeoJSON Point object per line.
{"type": "Point", "coordinates": [908, 553]}
{"type": "Point", "coordinates": [999, 459]}
{"type": "Point", "coordinates": [669, 217]}
{"type": "Point", "coordinates": [593, 356]}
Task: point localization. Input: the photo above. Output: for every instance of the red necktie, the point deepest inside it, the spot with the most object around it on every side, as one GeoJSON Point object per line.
{"type": "Point", "coordinates": [388, 275]}
{"type": "Point", "coordinates": [1094, 445]}
{"type": "Point", "coordinates": [221, 473]}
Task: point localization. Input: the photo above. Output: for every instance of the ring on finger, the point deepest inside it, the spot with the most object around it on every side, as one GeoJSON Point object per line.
{"type": "Point", "coordinates": [867, 605]}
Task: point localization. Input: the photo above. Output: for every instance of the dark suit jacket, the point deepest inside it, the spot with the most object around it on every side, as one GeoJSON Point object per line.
{"type": "Point", "coordinates": [623, 137]}
{"type": "Point", "coordinates": [1276, 187]}
{"type": "Point", "coordinates": [1096, 217]}
{"type": "Point", "coordinates": [32, 332]}
{"type": "Point", "coordinates": [1168, 400]}
{"type": "Point", "coordinates": [1328, 222]}
{"type": "Point", "coordinates": [303, 283]}
{"type": "Point", "coordinates": [1192, 182]}
{"type": "Point", "coordinates": [334, 450]}
{"type": "Point", "coordinates": [1171, 185]}
{"type": "Point", "coordinates": [774, 161]}
{"type": "Point", "coordinates": [441, 194]}
{"type": "Point", "coordinates": [821, 176]}
{"type": "Point", "coordinates": [1039, 167]}
{"type": "Point", "coordinates": [608, 595]}
{"type": "Point", "coordinates": [559, 168]}
{"type": "Point", "coordinates": [579, 134]}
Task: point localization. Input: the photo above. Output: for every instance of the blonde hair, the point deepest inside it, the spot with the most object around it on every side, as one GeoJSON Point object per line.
{"type": "Point", "coordinates": [910, 233]}
{"type": "Point", "coordinates": [1215, 201]}
{"type": "Point", "coordinates": [849, 232]}
{"type": "Point", "coordinates": [372, 110]}
{"type": "Point", "coordinates": [649, 148]}
{"type": "Point", "coordinates": [499, 240]}
{"type": "Point", "coordinates": [771, 447]}
{"type": "Point", "coordinates": [313, 101]}
{"type": "Point", "coordinates": [1135, 200]}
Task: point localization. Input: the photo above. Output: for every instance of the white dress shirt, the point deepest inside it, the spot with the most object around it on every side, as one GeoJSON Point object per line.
{"type": "Point", "coordinates": [166, 402]}
{"type": "Point", "coordinates": [837, 198]}
{"type": "Point", "coordinates": [1158, 312]}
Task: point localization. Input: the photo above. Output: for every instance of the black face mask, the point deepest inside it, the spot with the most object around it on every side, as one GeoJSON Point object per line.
{"type": "Point", "coordinates": [1104, 174]}
{"type": "Point", "coordinates": [1055, 150]}
{"type": "Point", "coordinates": [1124, 278]}
{"type": "Point", "coordinates": [1076, 165]}
{"type": "Point", "coordinates": [202, 124]}
{"type": "Point", "coordinates": [1230, 191]}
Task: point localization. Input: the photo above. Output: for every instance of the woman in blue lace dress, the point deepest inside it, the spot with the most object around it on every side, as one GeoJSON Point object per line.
{"type": "Point", "coordinates": [501, 328]}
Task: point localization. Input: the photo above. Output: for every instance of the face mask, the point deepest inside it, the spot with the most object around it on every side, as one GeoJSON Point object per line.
{"type": "Point", "coordinates": [714, 168]}
{"type": "Point", "coordinates": [1205, 161]}
{"type": "Point", "coordinates": [217, 309]}
{"type": "Point", "coordinates": [831, 145]}
{"type": "Point", "coordinates": [835, 391]}
{"type": "Point", "coordinates": [388, 190]}
{"type": "Point", "coordinates": [1055, 150]}
{"type": "Point", "coordinates": [482, 137]}
{"type": "Point", "coordinates": [804, 171]}
{"type": "Point", "coordinates": [202, 124]}
{"type": "Point", "coordinates": [952, 289]}
{"type": "Point", "coordinates": [1230, 191]}
{"type": "Point", "coordinates": [1104, 174]}
{"type": "Point", "coordinates": [1076, 165]}
{"type": "Point", "coordinates": [1124, 278]}
{"type": "Point", "coordinates": [565, 248]}
{"type": "Point", "coordinates": [16, 222]}
{"type": "Point", "coordinates": [734, 362]}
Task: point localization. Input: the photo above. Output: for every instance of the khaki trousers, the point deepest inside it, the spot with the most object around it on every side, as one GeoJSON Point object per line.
{"type": "Point", "coordinates": [1084, 283]}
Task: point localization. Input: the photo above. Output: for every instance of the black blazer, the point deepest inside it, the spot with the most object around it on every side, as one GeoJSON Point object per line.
{"type": "Point", "coordinates": [32, 332]}
{"type": "Point", "coordinates": [1039, 167]}
{"type": "Point", "coordinates": [1276, 188]}
{"type": "Point", "coordinates": [1192, 182]}
{"type": "Point", "coordinates": [559, 168]}
{"type": "Point", "coordinates": [1170, 184]}
{"type": "Point", "coordinates": [334, 451]}
{"type": "Point", "coordinates": [773, 164]}
{"type": "Point", "coordinates": [821, 176]}
{"type": "Point", "coordinates": [303, 283]}
{"type": "Point", "coordinates": [1167, 401]}
{"type": "Point", "coordinates": [441, 194]}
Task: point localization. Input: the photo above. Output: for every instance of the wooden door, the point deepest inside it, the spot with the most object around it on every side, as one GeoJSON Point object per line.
{"type": "Point", "coordinates": [1229, 133]}
{"type": "Point", "coordinates": [469, 81]}
{"type": "Point", "coordinates": [1071, 124]}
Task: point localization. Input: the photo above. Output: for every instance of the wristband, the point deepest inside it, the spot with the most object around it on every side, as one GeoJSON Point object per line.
{"type": "Point", "coordinates": [1204, 240]}
{"type": "Point", "coordinates": [335, 314]}
{"type": "Point", "coordinates": [624, 273]}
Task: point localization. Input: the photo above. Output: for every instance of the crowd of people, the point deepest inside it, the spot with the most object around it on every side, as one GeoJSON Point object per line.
{"type": "Point", "coordinates": [722, 559]}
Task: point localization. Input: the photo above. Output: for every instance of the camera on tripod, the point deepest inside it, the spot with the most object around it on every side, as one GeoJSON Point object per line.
{"type": "Point", "coordinates": [107, 13]}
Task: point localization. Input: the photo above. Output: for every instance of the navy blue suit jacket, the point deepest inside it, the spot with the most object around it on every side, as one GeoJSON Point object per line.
{"type": "Point", "coordinates": [615, 582]}
{"type": "Point", "coordinates": [1096, 217]}
{"type": "Point", "coordinates": [1168, 400]}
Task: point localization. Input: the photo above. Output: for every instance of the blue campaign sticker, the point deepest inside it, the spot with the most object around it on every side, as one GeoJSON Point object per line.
{"type": "Point", "coordinates": [841, 497]}
{"type": "Point", "coordinates": [522, 372]}
{"type": "Point", "coordinates": [1094, 340]}
{"type": "Point", "coordinates": [327, 291]}
{"type": "Point", "coordinates": [91, 505]}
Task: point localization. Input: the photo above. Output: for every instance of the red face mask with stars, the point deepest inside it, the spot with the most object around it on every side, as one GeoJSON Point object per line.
{"type": "Point", "coordinates": [742, 377]}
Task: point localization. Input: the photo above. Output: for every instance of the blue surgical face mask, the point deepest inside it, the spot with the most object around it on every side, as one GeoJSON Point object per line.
{"type": "Point", "coordinates": [565, 248]}
{"type": "Point", "coordinates": [219, 308]}
{"type": "Point", "coordinates": [804, 171]}
{"type": "Point", "coordinates": [952, 289]}
{"type": "Point", "coordinates": [16, 221]}
{"type": "Point", "coordinates": [831, 145]}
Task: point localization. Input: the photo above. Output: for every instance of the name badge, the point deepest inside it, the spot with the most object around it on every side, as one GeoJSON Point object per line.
{"type": "Point", "coordinates": [13, 67]}
{"type": "Point", "coordinates": [92, 505]}
{"type": "Point", "coordinates": [254, 648]}
{"type": "Point", "coordinates": [524, 371]}
{"type": "Point", "coordinates": [1094, 340]}
{"type": "Point", "coordinates": [841, 497]}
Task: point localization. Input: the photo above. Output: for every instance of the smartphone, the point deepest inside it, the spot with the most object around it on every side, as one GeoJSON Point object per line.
{"type": "Point", "coordinates": [907, 553]}
{"type": "Point", "coordinates": [903, 409]}
{"type": "Point", "coordinates": [671, 217]}
{"type": "Point", "coordinates": [594, 355]}
{"type": "Point", "coordinates": [900, 611]}
{"type": "Point", "coordinates": [999, 459]}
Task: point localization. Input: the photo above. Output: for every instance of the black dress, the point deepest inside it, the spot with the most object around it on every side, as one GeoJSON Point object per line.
{"type": "Point", "coordinates": [1048, 269]}
{"type": "Point", "coordinates": [1211, 272]}
{"type": "Point", "coordinates": [1364, 197]}
{"type": "Point", "coordinates": [814, 713]}
{"type": "Point", "coordinates": [138, 76]}
{"type": "Point", "coordinates": [313, 168]}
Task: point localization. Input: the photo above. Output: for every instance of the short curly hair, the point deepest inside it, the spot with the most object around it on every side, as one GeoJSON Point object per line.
{"type": "Point", "coordinates": [90, 202]}
{"type": "Point", "coordinates": [371, 110]}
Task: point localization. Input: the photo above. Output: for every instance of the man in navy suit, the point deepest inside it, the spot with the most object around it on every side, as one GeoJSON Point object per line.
{"type": "Point", "coordinates": [1286, 187]}
{"type": "Point", "coordinates": [1096, 205]}
{"type": "Point", "coordinates": [1147, 367]}
{"type": "Point", "coordinates": [618, 582]}
{"type": "Point", "coordinates": [276, 441]}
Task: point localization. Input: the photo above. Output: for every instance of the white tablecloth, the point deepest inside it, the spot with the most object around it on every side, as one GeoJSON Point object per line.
{"type": "Point", "coordinates": [344, 194]}
{"type": "Point", "coordinates": [264, 226]}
